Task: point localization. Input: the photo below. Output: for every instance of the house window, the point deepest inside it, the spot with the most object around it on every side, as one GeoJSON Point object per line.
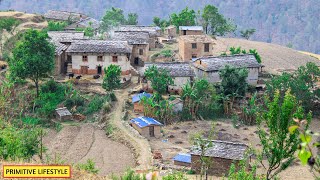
{"type": "Point", "coordinates": [140, 51]}
{"type": "Point", "coordinates": [206, 47]}
{"type": "Point", "coordinates": [100, 58]}
{"type": "Point", "coordinates": [114, 58]}
{"type": "Point", "coordinates": [84, 58]}
{"type": "Point", "coordinates": [194, 56]}
{"type": "Point", "coordinates": [194, 45]}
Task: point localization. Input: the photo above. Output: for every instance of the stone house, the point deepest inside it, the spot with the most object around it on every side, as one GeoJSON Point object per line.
{"type": "Point", "coordinates": [208, 67]}
{"type": "Point", "coordinates": [170, 31]}
{"type": "Point", "coordinates": [182, 159]}
{"type": "Point", "coordinates": [136, 101]}
{"type": "Point", "coordinates": [190, 30]}
{"type": "Point", "coordinates": [222, 154]}
{"type": "Point", "coordinates": [84, 23]}
{"type": "Point", "coordinates": [90, 57]}
{"type": "Point", "coordinates": [180, 72]}
{"type": "Point", "coordinates": [140, 45]}
{"type": "Point", "coordinates": [193, 46]}
{"type": "Point", "coordinates": [147, 127]}
{"type": "Point", "coordinates": [55, 15]}
{"type": "Point", "coordinates": [154, 32]}
{"type": "Point", "coordinates": [60, 57]}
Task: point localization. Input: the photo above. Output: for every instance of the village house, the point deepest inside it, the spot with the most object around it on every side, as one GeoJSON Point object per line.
{"type": "Point", "coordinates": [154, 32]}
{"type": "Point", "coordinates": [190, 30]}
{"type": "Point", "coordinates": [147, 127]}
{"type": "Point", "coordinates": [222, 154]}
{"type": "Point", "coordinates": [90, 57]}
{"type": "Point", "coordinates": [66, 37]}
{"type": "Point", "coordinates": [136, 101]}
{"type": "Point", "coordinates": [182, 159]}
{"type": "Point", "coordinates": [84, 23]}
{"type": "Point", "coordinates": [170, 31]}
{"type": "Point", "coordinates": [55, 15]}
{"type": "Point", "coordinates": [193, 46]}
{"type": "Point", "coordinates": [140, 45]}
{"type": "Point", "coordinates": [180, 72]}
{"type": "Point", "coordinates": [60, 58]}
{"type": "Point", "coordinates": [208, 67]}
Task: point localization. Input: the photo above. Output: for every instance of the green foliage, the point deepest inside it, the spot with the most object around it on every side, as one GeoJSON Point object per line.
{"type": "Point", "coordinates": [242, 173]}
{"type": "Point", "coordinates": [95, 104]}
{"type": "Point", "coordinates": [89, 31]}
{"type": "Point", "coordinates": [160, 79]}
{"type": "Point", "coordinates": [175, 176]}
{"type": "Point", "coordinates": [89, 167]}
{"type": "Point", "coordinates": [130, 175]}
{"type": "Point", "coordinates": [74, 100]}
{"type": "Point", "coordinates": [238, 50]}
{"type": "Point", "coordinates": [187, 17]}
{"type": "Point", "coordinates": [249, 111]}
{"type": "Point", "coordinates": [215, 23]}
{"type": "Point", "coordinates": [32, 121]}
{"type": "Point", "coordinates": [111, 79]}
{"type": "Point", "coordinates": [132, 19]}
{"type": "Point", "coordinates": [247, 33]}
{"type": "Point", "coordinates": [33, 57]}
{"type": "Point", "coordinates": [256, 55]}
{"type": "Point", "coordinates": [8, 24]}
{"type": "Point", "coordinates": [156, 21]}
{"type": "Point", "coordinates": [164, 53]}
{"type": "Point", "coordinates": [56, 26]}
{"type": "Point", "coordinates": [278, 144]}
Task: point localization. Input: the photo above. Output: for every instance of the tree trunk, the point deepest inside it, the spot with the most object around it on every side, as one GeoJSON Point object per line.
{"type": "Point", "coordinates": [36, 82]}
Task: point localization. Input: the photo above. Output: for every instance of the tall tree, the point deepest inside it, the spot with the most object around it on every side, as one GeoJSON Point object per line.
{"type": "Point", "coordinates": [160, 79]}
{"type": "Point", "coordinates": [215, 23]}
{"type": "Point", "coordinates": [156, 21]}
{"type": "Point", "coordinates": [187, 17]}
{"type": "Point", "coordinates": [111, 79]}
{"type": "Point", "coordinates": [33, 57]}
{"type": "Point", "coordinates": [247, 33]}
{"type": "Point", "coordinates": [113, 17]}
{"type": "Point", "coordinates": [132, 19]}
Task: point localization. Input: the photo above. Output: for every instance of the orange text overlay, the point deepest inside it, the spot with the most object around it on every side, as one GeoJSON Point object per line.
{"type": "Point", "coordinates": [36, 171]}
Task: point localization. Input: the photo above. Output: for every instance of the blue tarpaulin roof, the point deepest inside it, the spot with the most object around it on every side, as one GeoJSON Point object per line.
{"type": "Point", "coordinates": [137, 97]}
{"type": "Point", "coordinates": [186, 158]}
{"type": "Point", "coordinates": [145, 121]}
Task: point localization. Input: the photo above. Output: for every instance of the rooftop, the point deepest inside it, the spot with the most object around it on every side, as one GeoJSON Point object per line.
{"type": "Point", "coordinates": [176, 69]}
{"type": "Point", "coordinates": [152, 30]}
{"type": "Point", "coordinates": [197, 38]}
{"type": "Point", "coordinates": [191, 28]}
{"type": "Point", "coordinates": [63, 15]}
{"type": "Point", "coordinates": [95, 24]}
{"type": "Point", "coordinates": [63, 112]}
{"type": "Point", "coordinates": [99, 46]}
{"type": "Point", "coordinates": [224, 149]}
{"type": "Point", "coordinates": [138, 97]}
{"type": "Point", "coordinates": [133, 37]}
{"type": "Point", "coordinates": [181, 157]}
{"type": "Point", "coordinates": [59, 47]}
{"type": "Point", "coordinates": [219, 62]}
{"type": "Point", "coordinates": [145, 121]}
{"type": "Point", "coordinates": [65, 36]}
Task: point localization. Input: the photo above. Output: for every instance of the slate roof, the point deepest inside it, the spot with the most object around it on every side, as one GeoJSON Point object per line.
{"type": "Point", "coordinates": [59, 47]}
{"type": "Point", "coordinates": [83, 23]}
{"type": "Point", "coordinates": [63, 15]}
{"type": "Point", "coordinates": [65, 36]}
{"type": "Point", "coordinates": [176, 69]}
{"type": "Point", "coordinates": [181, 157]}
{"type": "Point", "coordinates": [191, 28]}
{"type": "Point", "coordinates": [219, 62]}
{"type": "Point", "coordinates": [99, 46]}
{"type": "Point", "coordinates": [145, 121]}
{"type": "Point", "coordinates": [197, 38]}
{"type": "Point", "coordinates": [138, 97]}
{"type": "Point", "coordinates": [224, 149]}
{"type": "Point", "coordinates": [63, 112]}
{"type": "Point", "coordinates": [152, 30]}
{"type": "Point", "coordinates": [133, 37]}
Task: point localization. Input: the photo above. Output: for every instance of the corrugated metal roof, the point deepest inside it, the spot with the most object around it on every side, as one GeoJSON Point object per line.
{"type": "Point", "coordinates": [181, 157]}
{"type": "Point", "coordinates": [191, 28]}
{"type": "Point", "coordinates": [145, 121]}
{"type": "Point", "coordinates": [138, 97]}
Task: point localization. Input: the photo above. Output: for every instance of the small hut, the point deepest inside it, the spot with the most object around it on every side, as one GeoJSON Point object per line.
{"type": "Point", "coordinates": [63, 114]}
{"type": "Point", "coordinates": [147, 127]}
{"type": "Point", "coordinates": [136, 101]}
{"type": "Point", "coordinates": [170, 31]}
{"type": "Point", "coordinates": [182, 160]}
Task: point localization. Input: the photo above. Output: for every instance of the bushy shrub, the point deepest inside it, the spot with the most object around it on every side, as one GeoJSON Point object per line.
{"type": "Point", "coordinates": [130, 175]}
{"type": "Point", "coordinates": [31, 121]}
{"type": "Point", "coordinates": [75, 100]}
{"type": "Point", "coordinates": [113, 97]}
{"type": "Point", "coordinates": [175, 176]}
{"type": "Point", "coordinates": [107, 107]}
{"type": "Point", "coordinates": [95, 104]}
{"type": "Point", "coordinates": [89, 166]}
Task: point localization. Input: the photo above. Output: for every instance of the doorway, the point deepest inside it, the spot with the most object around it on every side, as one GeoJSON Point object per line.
{"type": "Point", "coordinates": [136, 61]}
{"type": "Point", "coordinates": [151, 131]}
{"type": "Point", "coordinates": [184, 32]}
{"type": "Point", "coordinates": [99, 69]}
{"type": "Point", "coordinates": [84, 70]}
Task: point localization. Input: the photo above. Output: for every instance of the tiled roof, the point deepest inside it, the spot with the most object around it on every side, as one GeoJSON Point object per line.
{"type": "Point", "coordinates": [197, 38]}
{"type": "Point", "coordinates": [191, 28]}
{"type": "Point", "coordinates": [83, 23]}
{"type": "Point", "coordinates": [224, 149]}
{"type": "Point", "coordinates": [133, 37]}
{"type": "Point", "coordinates": [65, 36]}
{"type": "Point", "coordinates": [217, 63]}
{"type": "Point", "coordinates": [176, 69]}
{"type": "Point", "coordinates": [152, 30]}
{"type": "Point", "coordinates": [99, 46]}
{"type": "Point", "coordinates": [63, 15]}
{"type": "Point", "coordinates": [145, 121]}
{"type": "Point", "coordinates": [138, 97]}
{"type": "Point", "coordinates": [59, 47]}
{"type": "Point", "coordinates": [181, 157]}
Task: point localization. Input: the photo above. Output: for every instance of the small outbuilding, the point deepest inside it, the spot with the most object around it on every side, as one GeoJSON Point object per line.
{"type": "Point", "coordinates": [190, 30]}
{"type": "Point", "coordinates": [147, 127]}
{"type": "Point", "coordinates": [182, 159]}
{"type": "Point", "coordinates": [170, 31]}
{"type": "Point", "coordinates": [63, 114]}
{"type": "Point", "coordinates": [136, 101]}
{"type": "Point", "coordinates": [222, 154]}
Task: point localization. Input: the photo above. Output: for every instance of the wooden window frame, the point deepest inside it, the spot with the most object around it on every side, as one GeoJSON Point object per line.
{"type": "Point", "coordinates": [84, 58]}
{"type": "Point", "coordinates": [141, 52]}
{"type": "Point", "coordinates": [194, 45]}
{"type": "Point", "coordinates": [115, 59]}
{"type": "Point", "coordinates": [100, 58]}
{"type": "Point", "coordinates": [206, 45]}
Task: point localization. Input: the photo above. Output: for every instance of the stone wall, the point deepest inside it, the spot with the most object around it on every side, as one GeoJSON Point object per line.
{"type": "Point", "coordinates": [136, 54]}
{"type": "Point", "coordinates": [190, 32]}
{"type": "Point", "coordinates": [186, 51]}
{"type": "Point", "coordinates": [145, 131]}
{"type": "Point", "coordinates": [138, 107]}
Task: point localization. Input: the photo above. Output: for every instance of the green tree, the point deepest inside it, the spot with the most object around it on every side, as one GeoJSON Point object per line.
{"type": "Point", "coordinates": [56, 26]}
{"type": "Point", "coordinates": [8, 24]}
{"type": "Point", "coordinates": [132, 19]}
{"type": "Point", "coordinates": [160, 79]}
{"type": "Point", "coordinates": [247, 33]}
{"type": "Point", "coordinates": [215, 23]}
{"type": "Point", "coordinates": [111, 79]}
{"type": "Point", "coordinates": [33, 57]}
{"type": "Point", "coordinates": [156, 21]}
{"type": "Point", "coordinates": [185, 18]}
{"type": "Point", "coordinates": [113, 17]}
{"type": "Point", "coordinates": [256, 55]}
{"type": "Point", "coordinates": [242, 172]}
{"type": "Point", "coordinates": [279, 145]}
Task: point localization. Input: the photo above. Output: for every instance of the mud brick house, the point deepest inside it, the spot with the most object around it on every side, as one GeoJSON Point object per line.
{"type": "Point", "coordinates": [180, 72]}
{"type": "Point", "coordinates": [190, 30]}
{"type": "Point", "coordinates": [193, 46]}
{"type": "Point", "coordinates": [170, 31]}
{"type": "Point", "coordinates": [66, 37]}
{"type": "Point", "coordinates": [140, 45]}
{"type": "Point", "coordinates": [147, 127]}
{"type": "Point", "coordinates": [136, 101]}
{"type": "Point", "coordinates": [90, 57]}
{"type": "Point", "coordinates": [208, 67]}
{"type": "Point", "coordinates": [182, 160]}
{"type": "Point", "coordinates": [222, 154]}
{"type": "Point", "coordinates": [84, 23]}
{"type": "Point", "coordinates": [55, 15]}
{"type": "Point", "coordinates": [154, 32]}
{"type": "Point", "coordinates": [60, 57]}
